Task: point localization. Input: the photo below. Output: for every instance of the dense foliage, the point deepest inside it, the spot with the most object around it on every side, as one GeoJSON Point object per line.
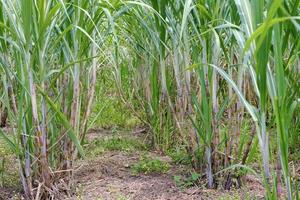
{"type": "Point", "coordinates": [218, 78]}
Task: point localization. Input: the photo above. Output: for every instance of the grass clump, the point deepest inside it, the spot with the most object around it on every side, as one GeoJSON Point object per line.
{"type": "Point", "coordinates": [179, 156]}
{"type": "Point", "coordinates": [123, 144]}
{"type": "Point", "coordinates": [108, 109]}
{"type": "Point", "coordinates": [8, 169]}
{"type": "Point", "coordinates": [113, 113]}
{"type": "Point", "coordinates": [185, 182]}
{"type": "Point", "coordinates": [148, 165]}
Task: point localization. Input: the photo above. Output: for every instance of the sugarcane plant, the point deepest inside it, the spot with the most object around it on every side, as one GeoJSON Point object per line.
{"type": "Point", "coordinates": [197, 71]}
{"type": "Point", "coordinates": [203, 43]}
{"type": "Point", "coordinates": [49, 58]}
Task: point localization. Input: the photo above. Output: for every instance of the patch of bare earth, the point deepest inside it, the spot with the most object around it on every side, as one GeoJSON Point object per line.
{"type": "Point", "coordinates": [109, 177]}
{"type": "Point", "coordinates": [8, 193]}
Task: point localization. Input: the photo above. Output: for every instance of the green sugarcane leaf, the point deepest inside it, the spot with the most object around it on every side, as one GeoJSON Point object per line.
{"type": "Point", "coordinates": [26, 6]}
{"type": "Point", "coordinates": [10, 143]}
{"type": "Point", "coordinates": [252, 111]}
{"type": "Point", "coordinates": [64, 122]}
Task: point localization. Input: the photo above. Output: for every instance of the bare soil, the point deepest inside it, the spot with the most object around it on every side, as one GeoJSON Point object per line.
{"type": "Point", "coordinates": [8, 193]}
{"type": "Point", "coordinates": [109, 177]}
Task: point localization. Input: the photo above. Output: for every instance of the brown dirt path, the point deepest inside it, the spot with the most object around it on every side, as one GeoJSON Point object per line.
{"type": "Point", "coordinates": [109, 177]}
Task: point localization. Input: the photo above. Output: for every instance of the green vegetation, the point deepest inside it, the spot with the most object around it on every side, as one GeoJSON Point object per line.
{"type": "Point", "coordinates": [215, 82]}
{"type": "Point", "coordinates": [294, 139]}
{"type": "Point", "coordinates": [179, 156]}
{"type": "Point", "coordinates": [148, 165]}
{"type": "Point", "coordinates": [108, 110]}
{"type": "Point", "coordinates": [123, 144]}
{"type": "Point", "coordinates": [8, 169]}
{"type": "Point", "coordinates": [184, 182]}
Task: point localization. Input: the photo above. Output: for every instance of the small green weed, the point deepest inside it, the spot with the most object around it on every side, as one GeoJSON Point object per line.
{"type": "Point", "coordinates": [2, 169]}
{"type": "Point", "coordinates": [108, 110]}
{"type": "Point", "coordinates": [179, 156]}
{"type": "Point", "coordinates": [8, 170]}
{"type": "Point", "coordinates": [115, 144]}
{"type": "Point", "coordinates": [149, 165]}
{"type": "Point", "coordinates": [187, 181]}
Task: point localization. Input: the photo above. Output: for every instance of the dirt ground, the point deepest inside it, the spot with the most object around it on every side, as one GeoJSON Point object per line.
{"type": "Point", "coordinates": [109, 177]}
